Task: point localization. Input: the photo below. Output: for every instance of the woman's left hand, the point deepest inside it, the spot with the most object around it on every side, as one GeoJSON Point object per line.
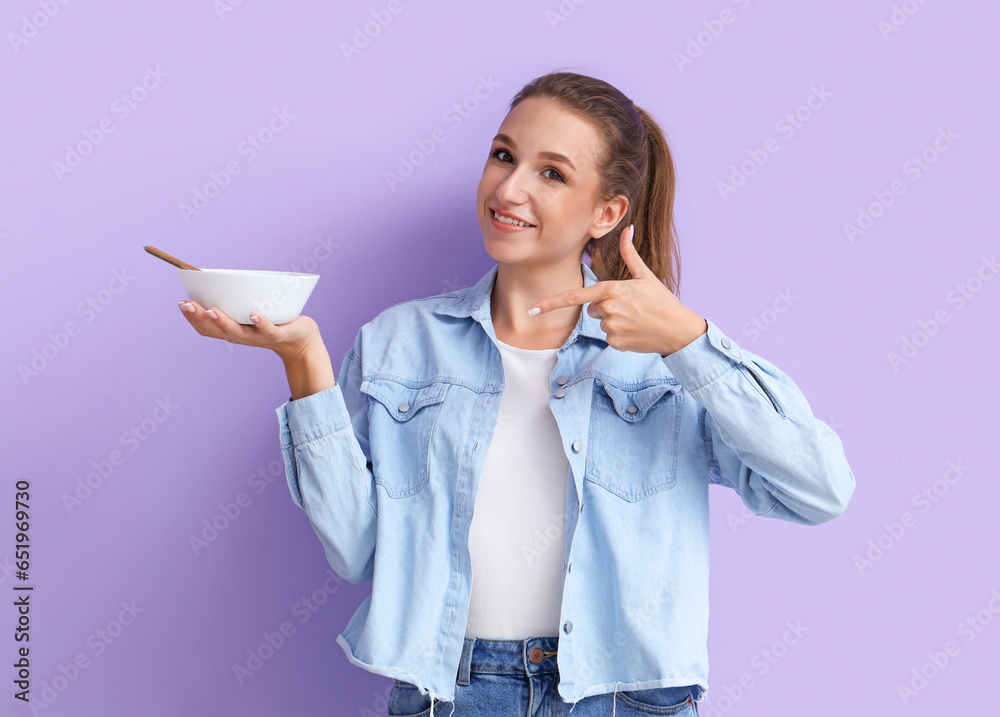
{"type": "Point", "coordinates": [639, 314]}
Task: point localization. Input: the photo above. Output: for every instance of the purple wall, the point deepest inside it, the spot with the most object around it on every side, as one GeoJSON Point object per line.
{"type": "Point", "coordinates": [896, 124]}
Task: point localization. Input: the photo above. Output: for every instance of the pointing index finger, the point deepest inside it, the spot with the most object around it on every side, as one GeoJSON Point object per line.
{"type": "Point", "coordinates": [570, 297]}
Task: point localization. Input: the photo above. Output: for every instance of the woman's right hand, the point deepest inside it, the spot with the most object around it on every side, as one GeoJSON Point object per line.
{"type": "Point", "coordinates": [287, 340]}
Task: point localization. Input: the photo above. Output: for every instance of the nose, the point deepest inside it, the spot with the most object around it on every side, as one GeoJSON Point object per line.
{"type": "Point", "coordinates": [512, 190]}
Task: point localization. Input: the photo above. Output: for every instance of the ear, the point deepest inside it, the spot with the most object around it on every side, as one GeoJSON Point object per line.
{"type": "Point", "coordinates": [607, 215]}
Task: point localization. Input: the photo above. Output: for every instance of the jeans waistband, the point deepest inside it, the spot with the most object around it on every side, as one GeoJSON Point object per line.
{"type": "Point", "coordinates": [530, 656]}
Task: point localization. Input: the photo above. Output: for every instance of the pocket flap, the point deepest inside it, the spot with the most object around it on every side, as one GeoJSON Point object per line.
{"type": "Point", "coordinates": [402, 401]}
{"type": "Point", "coordinates": [631, 405]}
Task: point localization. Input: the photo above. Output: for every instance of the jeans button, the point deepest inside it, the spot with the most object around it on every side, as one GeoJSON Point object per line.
{"type": "Point", "coordinates": [535, 655]}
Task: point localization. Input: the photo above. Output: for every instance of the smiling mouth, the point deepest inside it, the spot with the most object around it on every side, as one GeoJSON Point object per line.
{"type": "Point", "coordinates": [507, 220]}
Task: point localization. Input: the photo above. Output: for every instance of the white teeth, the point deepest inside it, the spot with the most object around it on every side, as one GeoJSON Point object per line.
{"type": "Point", "coordinates": [505, 220]}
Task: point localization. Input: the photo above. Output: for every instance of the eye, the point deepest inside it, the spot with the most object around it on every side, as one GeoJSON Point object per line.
{"type": "Point", "coordinates": [560, 179]}
{"type": "Point", "coordinates": [500, 150]}
{"type": "Point", "coordinates": [496, 152]}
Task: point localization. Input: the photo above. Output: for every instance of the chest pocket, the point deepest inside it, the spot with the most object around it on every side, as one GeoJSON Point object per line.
{"type": "Point", "coordinates": [633, 439]}
{"type": "Point", "coordinates": [401, 423]}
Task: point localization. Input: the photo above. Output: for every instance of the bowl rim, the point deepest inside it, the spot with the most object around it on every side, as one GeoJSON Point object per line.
{"type": "Point", "coordinates": [247, 272]}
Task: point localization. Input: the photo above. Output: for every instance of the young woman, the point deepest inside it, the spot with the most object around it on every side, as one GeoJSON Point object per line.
{"type": "Point", "coordinates": [582, 411]}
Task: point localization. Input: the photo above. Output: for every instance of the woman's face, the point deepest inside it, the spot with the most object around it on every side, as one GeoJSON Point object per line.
{"type": "Point", "coordinates": [542, 170]}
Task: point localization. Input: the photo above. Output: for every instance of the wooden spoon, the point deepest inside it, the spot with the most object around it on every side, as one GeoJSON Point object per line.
{"type": "Point", "coordinates": [169, 259]}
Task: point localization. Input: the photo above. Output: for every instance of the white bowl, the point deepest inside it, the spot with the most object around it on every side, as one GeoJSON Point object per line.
{"type": "Point", "coordinates": [278, 295]}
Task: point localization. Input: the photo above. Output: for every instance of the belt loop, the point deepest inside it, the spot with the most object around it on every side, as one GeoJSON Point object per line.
{"type": "Point", "coordinates": [465, 666]}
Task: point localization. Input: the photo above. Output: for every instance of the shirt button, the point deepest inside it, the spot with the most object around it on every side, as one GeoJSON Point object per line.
{"type": "Point", "coordinates": [577, 446]}
{"type": "Point", "coordinates": [631, 409]}
{"type": "Point", "coordinates": [725, 342]}
{"type": "Point", "coordinates": [568, 627]}
{"type": "Point", "coordinates": [599, 382]}
{"type": "Point", "coordinates": [475, 447]}
{"type": "Point", "coordinates": [562, 380]}
{"type": "Point", "coordinates": [404, 407]}
{"type": "Point", "coordinates": [559, 392]}
{"type": "Point", "coordinates": [569, 568]}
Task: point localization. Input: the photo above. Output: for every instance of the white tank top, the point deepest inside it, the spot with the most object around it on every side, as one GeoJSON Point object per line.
{"type": "Point", "coordinates": [518, 524]}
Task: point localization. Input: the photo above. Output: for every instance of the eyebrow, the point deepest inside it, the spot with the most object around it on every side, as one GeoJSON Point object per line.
{"type": "Point", "coordinates": [551, 156]}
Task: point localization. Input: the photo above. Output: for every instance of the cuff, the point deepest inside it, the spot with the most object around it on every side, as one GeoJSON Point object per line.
{"type": "Point", "coordinates": [312, 417]}
{"type": "Point", "coordinates": [705, 359]}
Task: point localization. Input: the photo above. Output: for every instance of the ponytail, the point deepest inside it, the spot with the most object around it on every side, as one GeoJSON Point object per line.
{"type": "Point", "coordinates": [635, 161]}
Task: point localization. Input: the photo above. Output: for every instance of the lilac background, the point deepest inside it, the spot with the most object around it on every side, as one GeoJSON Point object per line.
{"type": "Point", "coordinates": [317, 198]}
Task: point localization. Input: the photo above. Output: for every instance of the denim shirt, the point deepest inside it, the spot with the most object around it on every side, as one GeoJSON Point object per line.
{"type": "Point", "coordinates": [386, 464]}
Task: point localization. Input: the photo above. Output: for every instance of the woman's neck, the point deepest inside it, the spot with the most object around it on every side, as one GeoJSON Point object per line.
{"type": "Point", "coordinates": [517, 288]}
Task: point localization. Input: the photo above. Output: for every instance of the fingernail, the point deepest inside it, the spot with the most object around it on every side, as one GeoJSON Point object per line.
{"type": "Point", "coordinates": [185, 306]}
{"type": "Point", "coordinates": [631, 233]}
{"type": "Point", "coordinates": [534, 312]}
{"type": "Point", "coordinates": [254, 318]}
{"type": "Point", "coordinates": [212, 314]}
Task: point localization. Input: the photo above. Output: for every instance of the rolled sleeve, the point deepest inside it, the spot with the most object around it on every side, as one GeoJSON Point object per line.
{"type": "Point", "coordinates": [308, 419]}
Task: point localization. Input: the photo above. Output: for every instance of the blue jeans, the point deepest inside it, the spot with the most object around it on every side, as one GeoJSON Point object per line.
{"type": "Point", "coordinates": [518, 678]}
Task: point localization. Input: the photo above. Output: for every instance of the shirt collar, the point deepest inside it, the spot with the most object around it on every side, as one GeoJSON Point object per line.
{"type": "Point", "coordinates": [474, 302]}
